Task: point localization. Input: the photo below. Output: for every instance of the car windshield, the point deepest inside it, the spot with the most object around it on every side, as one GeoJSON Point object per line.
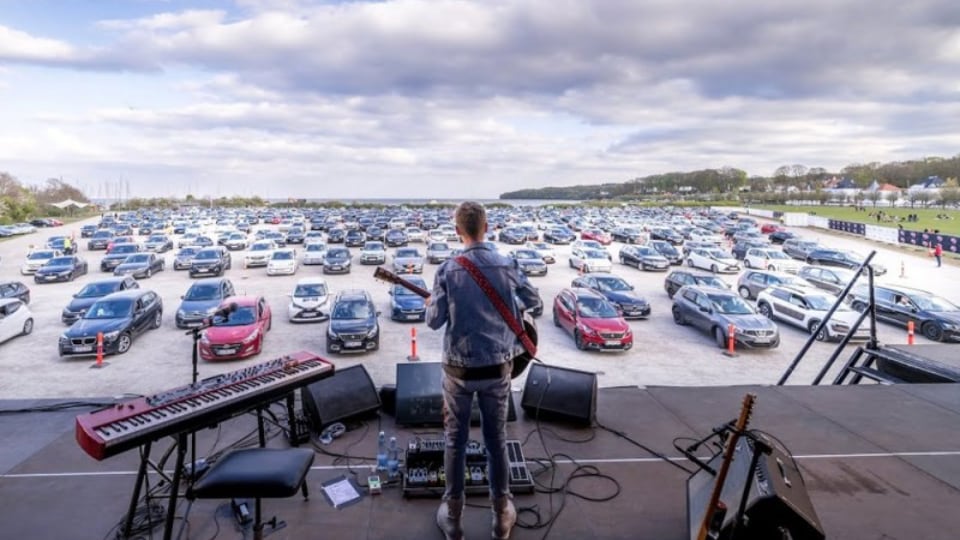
{"type": "Point", "coordinates": [261, 247]}
{"type": "Point", "coordinates": [157, 239]}
{"type": "Point", "coordinates": [124, 248]}
{"type": "Point", "coordinates": [282, 255]}
{"type": "Point", "coordinates": [187, 252]}
{"type": "Point", "coordinates": [96, 290]}
{"type": "Point", "coordinates": [314, 247]}
{"type": "Point", "coordinates": [527, 255]}
{"type": "Point", "coordinates": [934, 303]}
{"type": "Point", "coordinates": [775, 255]}
{"type": "Point", "coordinates": [407, 253]}
{"type": "Point", "coordinates": [40, 255]}
{"type": "Point", "coordinates": [337, 254]}
{"type": "Point", "coordinates": [540, 245]}
{"type": "Point", "coordinates": [60, 261]}
{"type": "Point", "coordinates": [613, 284]}
{"type": "Point", "coordinates": [109, 309]}
{"type": "Point", "coordinates": [646, 252]}
{"type": "Point", "coordinates": [403, 291]}
{"type": "Point", "coordinates": [717, 254]}
{"type": "Point", "coordinates": [357, 309]}
{"type": "Point", "coordinates": [823, 303]}
{"type": "Point", "coordinates": [203, 291]}
{"type": "Point", "coordinates": [203, 255]}
{"type": "Point", "coordinates": [729, 304]}
{"type": "Point", "coordinates": [596, 308]}
{"type": "Point", "coordinates": [242, 316]}
{"type": "Point", "coordinates": [594, 254]}
{"type": "Point", "coordinates": [439, 247]}
{"type": "Point", "coordinates": [373, 246]}
{"type": "Point", "coordinates": [310, 289]}
{"type": "Point", "coordinates": [138, 258]}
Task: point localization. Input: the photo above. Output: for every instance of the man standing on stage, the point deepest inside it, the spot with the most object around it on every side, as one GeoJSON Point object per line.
{"type": "Point", "coordinates": [478, 346]}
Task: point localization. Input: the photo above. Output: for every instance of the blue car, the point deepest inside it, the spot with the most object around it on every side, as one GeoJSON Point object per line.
{"type": "Point", "coordinates": [65, 268]}
{"type": "Point", "coordinates": [201, 300]}
{"type": "Point", "coordinates": [406, 305]}
{"type": "Point", "coordinates": [621, 294]}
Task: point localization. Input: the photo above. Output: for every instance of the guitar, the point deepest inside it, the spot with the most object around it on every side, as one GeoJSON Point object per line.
{"type": "Point", "coordinates": [520, 361]}
{"type": "Point", "coordinates": [713, 519]}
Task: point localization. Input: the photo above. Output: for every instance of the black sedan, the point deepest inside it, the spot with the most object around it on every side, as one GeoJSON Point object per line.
{"type": "Point", "coordinates": [395, 238]}
{"type": "Point", "coordinates": [558, 235]}
{"type": "Point", "coordinates": [92, 292]}
{"type": "Point", "coordinates": [668, 251]}
{"type": "Point", "coordinates": [679, 278]}
{"type": "Point", "coordinates": [667, 235]}
{"type": "Point", "coordinates": [621, 294]}
{"type": "Point", "coordinates": [65, 268]}
{"type": "Point", "coordinates": [779, 237]}
{"type": "Point", "coordinates": [336, 236]}
{"type": "Point", "coordinates": [120, 316]}
{"type": "Point", "coordinates": [644, 258]}
{"type": "Point", "coordinates": [140, 265]}
{"type": "Point", "coordinates": [117, 255]}
{"type": "Point", "coordinates": [935, 317]}
{"type": "Point", "coordinates": [842, 259]}
{"type": "Point", "coordinates": [15, 289]}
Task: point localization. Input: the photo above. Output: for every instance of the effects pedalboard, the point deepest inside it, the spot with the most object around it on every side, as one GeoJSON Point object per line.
{"type": "Point", "coordinates": [424, 475]}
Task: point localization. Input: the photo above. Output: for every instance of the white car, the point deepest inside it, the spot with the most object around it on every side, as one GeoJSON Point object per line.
{"type": "Point", "coordinates": [701, 235]}
{"type": "Point", "coordinates": [715, 260]}
{"type": "Point", "coordinates": [259, 253]}
{"type": "Point", "coordinates": [771, 259]}
{"type": "Point", "coordinates": [543, 249]}
{"type": "Point", "coordinates": [436, 235]}
{"type": "Point", "coordinates": [590, 260]}
{"type": "Point", "coordinates": [373, 252]}
{"type": "Point", "coordinates": [187, 239]}
{"type": "Point", "coordinates": [308, 300]}
{"type": "Point", "coordinates": [37, 258]}
{"type": "Point", "coordinates": [282, 261]}
{"type": "Point", "coordinates": [313, 253]}
{"type": "Point", "coordinates": [805, 308]}
{"type": "Point", "coordinates": [15, 319]}
{"type": "Point", "coordinates": [415, 234]}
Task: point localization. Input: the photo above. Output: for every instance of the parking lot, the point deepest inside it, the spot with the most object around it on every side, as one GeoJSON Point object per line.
{"type": "Point", "coordinates": [663, 353]}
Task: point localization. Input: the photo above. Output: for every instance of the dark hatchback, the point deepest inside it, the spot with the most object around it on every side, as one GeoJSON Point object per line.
{"type": "Point", "coordinates": [395, 238]}
{"type": "Point", "coordinates": [100, 239]}
{"type": "Point", "coordinates": [15, 289]}
{"type": "Point", "coordinates": [644, 258]}
{"type": "Point", "coordinates": [211, 261]}
{"type": "Point", "coordinates": [354, 324]}
{"type": "Point", "coordinates": [140, 265]}
{"type": "Point", "coordinates": [120, 316]}
{"type": "Point", "coordinates": [680, 278]}
{"type": "Point", "coordinates": [935, 317]}
{"type": "Point", "coordinates": [202, 300]}
{"type": "Point", "coordinates": [92, 292]}
{"type": "Point", "coordinates": [117, 255]}
{"type": "Point", "coordinates": [630, 304]}
{"type": "Point", "coordinates": [65, 268]}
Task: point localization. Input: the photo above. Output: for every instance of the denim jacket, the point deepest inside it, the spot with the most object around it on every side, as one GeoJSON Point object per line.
{"type": "Point", "coordinates": [476, 335]}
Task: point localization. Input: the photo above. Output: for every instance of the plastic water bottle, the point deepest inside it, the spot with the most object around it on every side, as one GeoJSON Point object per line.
{"type": "Point", "coordinates": [382, 452]}
{"type": "Point", "coordinates": [393, 458]}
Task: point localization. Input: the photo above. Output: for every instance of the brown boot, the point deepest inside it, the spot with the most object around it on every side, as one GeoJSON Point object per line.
{"type": "Point", "coordinates": [504, 517]}
{"type": "Point", "coordinates": [450, 519]}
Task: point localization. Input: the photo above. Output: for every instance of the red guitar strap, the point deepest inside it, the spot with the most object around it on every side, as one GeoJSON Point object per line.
{"type": "Point", "coordinates": [498, 303]}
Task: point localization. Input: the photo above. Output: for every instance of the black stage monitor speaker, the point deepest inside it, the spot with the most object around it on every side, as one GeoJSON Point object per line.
{"type": "Point", "coordinates": [419, 397]}
{"type": "Point", "coordinates": [348, 394]}
{"type": "Point", "coordinates": [778, 505]}
{"type": "Point", "coordinates": [555, 393]}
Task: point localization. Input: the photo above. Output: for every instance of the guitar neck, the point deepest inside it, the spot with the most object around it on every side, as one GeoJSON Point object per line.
{"type": "Point", "coordinates": [390, 277]}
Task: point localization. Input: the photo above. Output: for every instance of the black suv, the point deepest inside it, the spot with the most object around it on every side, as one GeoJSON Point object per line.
{"type": "Point", "coordinates": [354, 325]}
{"type": "Point", "coordinates": [935, 317]}
{"type": "Point", "coordinates": [842, 259]}
{"type": "Point", "coordinates": [211, 261]}
{"type": "Point", "coordinates": [120, 316]}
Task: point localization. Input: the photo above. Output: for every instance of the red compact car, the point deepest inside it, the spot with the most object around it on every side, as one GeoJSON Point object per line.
{"type": "Point", "coordinates": [592, 320]}
{"type": "Point", "coordinates": [240, 333]}
{"type": "Point", "coordinates": [770, 228]}
{"type": "Point", "coordinates": [596, 234]}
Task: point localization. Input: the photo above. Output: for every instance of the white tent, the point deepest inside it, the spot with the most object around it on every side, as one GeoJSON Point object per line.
{"type": "Point", "coordinates": [70, 202]}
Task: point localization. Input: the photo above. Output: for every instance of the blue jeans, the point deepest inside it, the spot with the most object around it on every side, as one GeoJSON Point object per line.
{"type": "Point", "coordinates": [492, 396]}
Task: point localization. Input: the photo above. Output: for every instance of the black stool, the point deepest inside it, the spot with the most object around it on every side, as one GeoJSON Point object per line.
{"type": "Point", "coordinates": [256, 473]}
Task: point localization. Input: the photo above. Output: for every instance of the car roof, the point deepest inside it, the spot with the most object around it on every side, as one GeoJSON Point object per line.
{"type": "Point", "coordinates": [208, 281]}
{"type": "Point", "coordinates": [127, 293]}
{"type": "Point", "coordinates": [312, 280]}
{"type": "Point", "coordinates": [710, 290]}
{"type": "Point", "coordinates": [583, 292]}
{"type": "Point", "coordinates": [109, 280]}
{"type": "Point", "coordinates": [904, 289]}
{"type": "Point", "coordinates": [242, 301]}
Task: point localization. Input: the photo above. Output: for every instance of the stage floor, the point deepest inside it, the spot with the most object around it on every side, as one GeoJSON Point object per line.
{"type": "Point", "coordinates": [878, 461]}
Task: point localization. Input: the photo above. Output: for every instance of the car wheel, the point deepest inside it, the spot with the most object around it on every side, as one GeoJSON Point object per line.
{"type": "Point", "coordinates": [822, 334]}
{"type": "Point", "coordinates": [772, 268]}
{"type": "Point", "coordinates": [690, 263]}
{"type": "Point", "coordinates": [578, 340]}
{"type": "Point", "coordinates": [746, 263]}
{"type": "Point", "coordinates": [859, 306]}
{"type": "Point", "coordinates": [330, 347]}
{"type": "Point", "coordinates": [123, 343]}
{"type": "Point", "coordinates": [744, 292]}
{"type": "Point", "coordinates": [149, 272]}
{"type": "Point", "coordinates": [932, 331]}
{"type": "Point", "coordinates": [556, 318]}
{"type": "Point", "coordinates": [764, 309]}
{"type": "Point", "coordinates": [714, 269]}
{"type": "Point", "coordinates": [27, 327]}
{"type": "Point", "coordinates": [270, 323]}
{"type": "Point", "coordinates": [678, 316]}
{"type": "Point", "coordinates": [719, 337]}
{"type": "Point", "coordinates": [157, 319]}
{"type": "Point", "coordinates": [571, 263]}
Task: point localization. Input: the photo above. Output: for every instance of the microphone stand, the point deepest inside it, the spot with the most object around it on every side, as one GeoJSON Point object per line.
{"type": "Point", "coordinates": [196, 332]}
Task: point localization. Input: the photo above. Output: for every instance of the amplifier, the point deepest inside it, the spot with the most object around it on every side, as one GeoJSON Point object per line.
{"type": "Point", "coordinates": [424, 475]}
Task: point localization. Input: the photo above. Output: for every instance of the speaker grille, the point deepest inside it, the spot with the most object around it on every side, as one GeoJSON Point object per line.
{"type": "Point", "coordinates": [348, 394]}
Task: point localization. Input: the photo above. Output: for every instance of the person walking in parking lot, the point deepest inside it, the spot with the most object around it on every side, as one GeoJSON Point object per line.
{"type": "Point", "coordinates": [938, 253]}
{"type": "Point", "coordinates": [478, 346]}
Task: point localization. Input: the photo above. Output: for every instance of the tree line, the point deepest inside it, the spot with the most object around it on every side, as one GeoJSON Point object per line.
{"type": "Point", "coordinates": [19, 202]}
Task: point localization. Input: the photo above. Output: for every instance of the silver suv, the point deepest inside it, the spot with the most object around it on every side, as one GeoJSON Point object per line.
{"type": "Point", "coordinates": [805, 307]}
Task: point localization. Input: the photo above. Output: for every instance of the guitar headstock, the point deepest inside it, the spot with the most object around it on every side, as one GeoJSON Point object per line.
{"type": "Point", "coordinates": [386, 275]}
{"type": "Point", "coordinates": [746, 410]}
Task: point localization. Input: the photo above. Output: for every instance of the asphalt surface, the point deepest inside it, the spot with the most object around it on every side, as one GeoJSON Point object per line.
{"type": "Point", "coordinates": [663, 354]}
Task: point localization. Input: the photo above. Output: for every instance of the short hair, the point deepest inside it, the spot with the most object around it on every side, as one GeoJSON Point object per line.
{"type": "Point", "coordinates": [471, 219]}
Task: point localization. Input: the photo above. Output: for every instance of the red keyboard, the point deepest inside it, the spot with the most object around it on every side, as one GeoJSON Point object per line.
{"type": "Point", "coordinates": [111, 430]}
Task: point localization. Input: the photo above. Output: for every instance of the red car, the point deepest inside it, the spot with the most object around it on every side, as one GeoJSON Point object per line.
{"type": "Point", "coordinates": [592, 320]}
{"type": "Point", "coordinates": [596, 234]}
{"type": "Point", "coordinates": [240, 333]}
{"type": "Point", "coordinates": [770, 228]}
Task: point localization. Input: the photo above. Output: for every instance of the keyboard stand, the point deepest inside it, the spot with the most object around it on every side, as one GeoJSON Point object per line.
{"type": "Point", "coordinates": [143, 485]}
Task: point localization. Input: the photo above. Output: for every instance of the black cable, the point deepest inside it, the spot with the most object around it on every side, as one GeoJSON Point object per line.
{"type": "Point", "coordinates": [62, 406]}
{"type": "Point", "coordinates": [645, 448]}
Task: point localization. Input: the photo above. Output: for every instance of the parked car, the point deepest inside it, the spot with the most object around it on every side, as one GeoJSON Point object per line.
{"type": "Point", "coordinates": [937, 318]}
{"type": "Point", "coordinates": [752, 282]}
{"type": "Point", "coordinates": [543, 249]}
{"type": "Point", "coordinates": [713, 311]}
{"type": "Point", "coordinates": [407, 261]}
{"type": "Point", "coordinates": [668, 251]}
{"type": "Point", "coordinates": [183, 257]}
{"type": "Point", "coordinates": [395, 238]}
{"type": "Point", "coordinates": [558, 235]}
{"type": "Point", "coordinates": [355, 238]}
{"type": "Point", "coordinates": [87, 231]}
{"type": "Point", "coordinates": [259, 253]}
{"type": "Point", "coordinates": [37, 258]}
{"type": "Point", "coordinates": [842, 259]}
{"type": "Point", "coordinates": [406, 305]}
{"type": "Point", "coordinates": [598, 235]}
{"type": "Point", "coordinates": [64, 268]}
{"type": "Point", "coordinates": [373, 252]}
{"type": "Point", "coordinates": [592, 320]}
{"type": "Point", "coordinates": [282, 261]}
{"type": "Point", "coordinates": [590, 260]}
{"type": "Point", "coordinates": [623, 296]}
{"type": "Point", "coordinates": [201, 301]}
{"type": "Point", "coordinates": [779, 237]}
{"type": "Point", "coordinates": [805, 308]}
{"type": "Point", "coordinates": [236, 241]}
{"type": "Point", "coordinates": [337, 261]}
{"type": "Point", "coordinates": [15, 319]}
{"type": "Point", "coordinates": [15, 289]}
{"type": "Point", "coordinates": [644, 258]}
{"type": "Point", "coordinates": [117, 255]}
{"type": "Point", "coordinates": [529, 262]}
{"type": "Point", "coordinates": [679, 278]}
{"type": "Point", "coordinates": [833, 280]}
{"type": "Point", "coordinates": [714, 260]}
{"type": "Point", "coordinates": [667, 235]}
{"type": "Point", "coordinates": [437, 252]}
{"type": "Point", "coordinates": [91, 292]}
{"type": "Point", "coordinates": [296, 235]}
{"type": "Point", "coordinates": [628, 235]}
{"type": "Point", "coordinates": [771, 259]}
{"type": "Point", "coordinates": [159, 243]}
{"type": "Point", "coordinates": [211, 261]}
{"type": "Point", "coordinates": [770, 228]}
{"type": "Point", "coordinates": [512, 235]}
{"type": "Point", "coordinates": [799, 248]}
{"type": "Point", "coordinates": [100, 239]}
{"type": "Point", "coordinates": [240, 333]}
{"type": "Point", "coordinates": [415, 234]}
{"type": "Point", "coordinates": [313, 253]}
{"type": "Point", "coordinates": [120, 316]}
{"type": "Point", "coordinates": [140, 265]}
{"type": "Point", "coordinates": [740, 249]}
{"type": "Point", "coordinates": [308, 300]}
{"type": "Point", "coordinates": [354, 324]}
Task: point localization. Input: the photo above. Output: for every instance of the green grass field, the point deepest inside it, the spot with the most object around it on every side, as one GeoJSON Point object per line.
{"type": "Point", "coordinates": [927, 216]}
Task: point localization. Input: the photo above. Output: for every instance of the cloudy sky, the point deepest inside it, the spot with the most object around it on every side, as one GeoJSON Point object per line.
{"type": "Point", "coordinates": [450, 99]}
